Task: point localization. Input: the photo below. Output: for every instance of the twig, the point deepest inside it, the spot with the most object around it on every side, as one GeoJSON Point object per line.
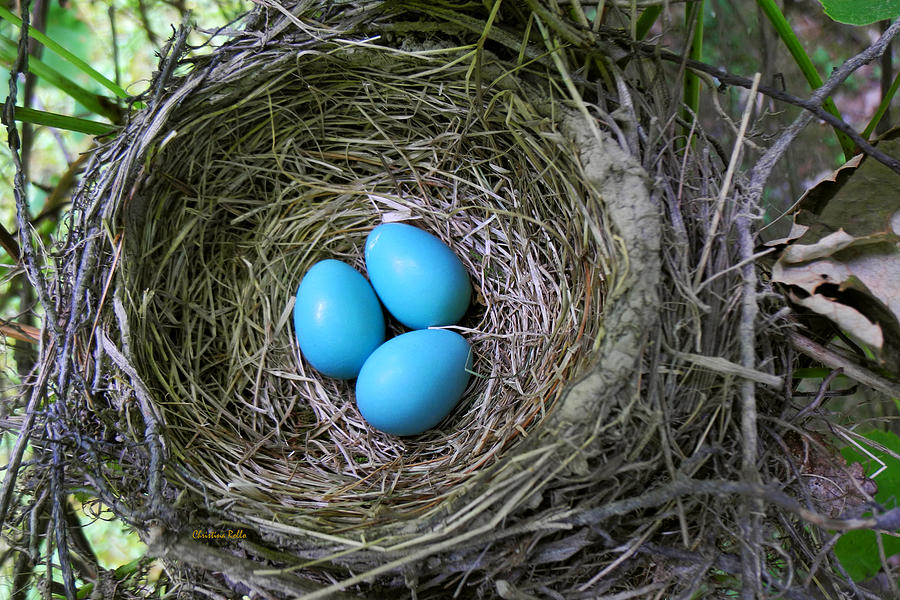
{"type": "Point", "coordinates": [115, 46]}
{"type": "Point", "coordinates": [19, 186]}
{"type": "Point", "coordinates": [152, 430]}
{"type": "Point", "coordinates": [86, 563]}
{"type": "Point", "coordinates": [563, 28]}
{"type": "Point", "coordinates": [763, 168]}
{"type": "Point", "coordinates": [723, 365]}
{"type": "Point", "coordinates": [726, 182]}
{"type": "Point", "coordinates": [813, 105]}
{"type": "Point", "coordinates": [887, 521]}
{"type": "Point", "coordinates": [751, 552]}
{"type": "Point", "coordinates": [171, 55]}
{"type": "Point", "coordinates": [554, 50]}
{"type": "Point", "coordinates": [25, 429]}
{"type": "Point", "coordinates": [834, 360]}
{"type": "Point", "coordinates": [9, 243]}
{"type": "Point", "coordinates": [36, 530]}
{"type": "Point", "coordinates": [61, 191]}
{"type": "Point", "coordinates": [57, 500]}
{"type": "Point", "coordinates": [177, 546]}
{"type": "Point", "coordinates": [20, 331]}
{"type": "Point", "coordinates": [722, 561]}
{"type": "Point", "coordinates": [887, 74]}
{"type": "Point", "coordinates": [821, 394]}
{"type": "Point", "coordinates": [23, 213]}
{"type": "Point", "coordinates": [145, 20]}
{"type": "Point", "coordinates": [35, 49]}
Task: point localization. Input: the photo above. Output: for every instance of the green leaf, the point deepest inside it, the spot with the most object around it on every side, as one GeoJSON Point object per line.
{"type": "Point", "coordinates": [65, 28]}
{"type": "Point", "coordinates": [861, 12]}
{"type": "Point", "coordinates": [89, 100]}
{"type": "Point", "coordinates": [646, 21]}
{"type": "Point", "coordinates": [693, 17]}
{"type": "Point", "coordinates": [858, 550]}
{"type": "Point", "coordinates": [71, 58]}
{"type": "Point", "coordinates": [40, 117]}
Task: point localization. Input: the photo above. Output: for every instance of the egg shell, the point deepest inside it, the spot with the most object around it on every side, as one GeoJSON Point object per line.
{"type": "Point", "coordinates": [412, 381]}
{"type": "Point", "coordinates": [337, 318]}
{"type": "Point", "coordinates": [417, 277]}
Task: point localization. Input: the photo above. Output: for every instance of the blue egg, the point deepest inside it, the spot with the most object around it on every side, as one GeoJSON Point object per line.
{"type": "Point", "coordinates": [417, 277]}
{"type": "Point", "coordinates": [337, 318]}
{"type": "Point", "coordinates": [412, 381]}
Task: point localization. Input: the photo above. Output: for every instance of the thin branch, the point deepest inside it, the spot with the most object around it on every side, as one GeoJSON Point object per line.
{"type": "Point", "coordinates": [726, 184]}
{"type": "Point", "coordinates": [751, 520]}
{"type": "Point", "coordinates": [722, 561]}
{"type": "Point", "coordinates": [813, 105]}
{"type": "Point", "coordinates": [20, 332]}
{"type": "Point", "coordinates": [763, 168]}
{"type": "Point", "coordinates": [9, 243]}
{"type": "Point", "coordinates": [821, 394]}
{"type": "Point", "coordinates": [117, 69]}
{"type": "Point", "coordinates": [834, 360]}
{"type": "Point", "coordinates": [887, 79]}
{"type": "Point", "coordinates": [145, 20]}
{"type": "Point", "coordinates": [179, 547]}
{"type": "Point", "coordinates": [27, 253]}
{"type": "Point", "coordinates": [887, 521]}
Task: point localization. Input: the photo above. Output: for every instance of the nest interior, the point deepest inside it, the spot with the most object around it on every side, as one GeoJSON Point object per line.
{"type": "Point", "coordinates": [252, 185]}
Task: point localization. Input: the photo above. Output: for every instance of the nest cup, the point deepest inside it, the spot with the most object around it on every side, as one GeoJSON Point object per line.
{"type": "Point", "coordinates": [252, 179]}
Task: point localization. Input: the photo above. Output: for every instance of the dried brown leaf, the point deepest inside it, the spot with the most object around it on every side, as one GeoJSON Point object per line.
{"type": "Point", "coordinates": [843, 252]}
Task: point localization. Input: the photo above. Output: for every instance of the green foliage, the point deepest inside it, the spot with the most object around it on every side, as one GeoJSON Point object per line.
{"type": "Point", "coordinates": [858, 550]}
{"type": "Point", "coordinates": [75, 77]}
{"type": "Point", "coordinates": [73, 31]}
{"type": "Point", "coordinates": [41, 117]}
{"type": "Point", "coordinates": [47, 74]}
{"type": "Point", "coordinates": [861, 12]}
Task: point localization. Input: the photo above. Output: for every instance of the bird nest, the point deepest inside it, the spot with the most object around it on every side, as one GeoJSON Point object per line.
{"type": "Point", "coordinates": [190, 411]}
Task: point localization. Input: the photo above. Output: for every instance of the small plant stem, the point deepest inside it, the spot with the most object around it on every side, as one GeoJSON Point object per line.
{"type": "Point", "coordinates": [726, 183]}
{"type": "Point", "coordinates": [693, 20]}
{"type": "Point", "coordinates": [882, 108]}
{"type": "Point", "coordinates": [20, 332]}
{"type": "Point", "coordinates": [887, 69]}
{"type": "Point", "coordinates": [787, 35]}
{"type": "Point", "coordinates": [9, 243]}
